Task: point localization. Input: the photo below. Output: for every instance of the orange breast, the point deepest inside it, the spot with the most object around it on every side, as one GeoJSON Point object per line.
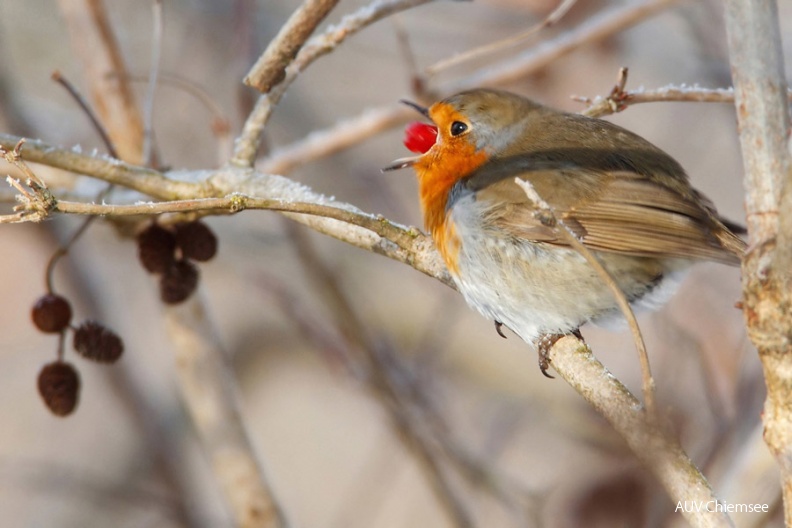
{"type": "Point", "coordinates": [450, 160]}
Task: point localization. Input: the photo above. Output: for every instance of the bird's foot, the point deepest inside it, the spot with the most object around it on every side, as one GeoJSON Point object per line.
{"type": "Point", "coordinates": [543, 345]}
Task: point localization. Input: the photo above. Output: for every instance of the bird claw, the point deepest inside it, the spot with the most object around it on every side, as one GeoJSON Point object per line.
{"type": "Point", "coordinates": [543, 346]}
{"type": "Point", "coordinates": [498, 328]}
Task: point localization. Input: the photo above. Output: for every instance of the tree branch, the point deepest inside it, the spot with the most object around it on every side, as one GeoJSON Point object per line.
{"type": "Point", "coordinates": [97, 49]}
{"type": "Point", "coordinates": [757, 66]}
{"type": "Point", "coordinates": [209, 388]}
{"type": "Point", "coordinates": [652, 445]}
{"type": "Point", "coordinates": [596, 28]}
{"type": "Point", "coordinates": [270, 68]}
{"type": "Point", "coordinates": [236, 189]}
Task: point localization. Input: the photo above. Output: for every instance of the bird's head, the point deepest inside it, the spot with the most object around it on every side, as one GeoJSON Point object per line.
{"type": "Point", "coordinates": [467, 129]}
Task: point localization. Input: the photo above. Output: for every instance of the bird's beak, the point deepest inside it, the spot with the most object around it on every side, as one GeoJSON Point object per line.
{"type": "Point", "coordinates": [401, 163]}
{"type": "Point", "coordinates": [415, 106]}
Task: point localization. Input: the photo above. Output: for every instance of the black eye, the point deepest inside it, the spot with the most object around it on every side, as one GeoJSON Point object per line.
{"type": "Point", "coordinates": [457, 127]}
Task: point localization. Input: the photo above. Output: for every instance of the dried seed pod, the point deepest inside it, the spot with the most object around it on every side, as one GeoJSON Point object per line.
{"type": "Point", "coordinates": [51, 313]}
{"type": "Point", "coordinates": [156, 248]}
{"type": "Point", "coordinates": [178, 282]}
{"type": "Point", "coordinates": [59, 386]}
{"type": "Point", "coordinates": [196, 241]}
{"type": "Point", "coordinates": [94, 341]}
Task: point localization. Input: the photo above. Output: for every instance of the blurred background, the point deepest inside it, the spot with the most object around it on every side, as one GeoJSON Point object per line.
{"type": "Point", "coordinates": [129, 456]}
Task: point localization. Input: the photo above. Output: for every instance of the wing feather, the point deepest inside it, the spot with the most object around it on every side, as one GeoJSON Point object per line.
{"type": "Point", "coordinates": [615, 211]}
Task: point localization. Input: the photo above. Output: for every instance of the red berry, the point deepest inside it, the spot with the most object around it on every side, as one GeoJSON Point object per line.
{"type": "Point", "coordinates": [51, 313]}
{"type": "Point", "coordinates": [59, 386]}
{"type": "Point", "coordinates": [419, 137]}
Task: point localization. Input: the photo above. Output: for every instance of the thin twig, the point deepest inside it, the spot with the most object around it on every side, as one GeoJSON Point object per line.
{"type": "Point", "coordinates": [220, 124]}
{"type": "Point", "coordinates": [548, 217]}
{"type": "Point", "coordinates": [63, 250]}
{"type": "Point", "coordinates": [340, 136]}
{"type": "Point", "coordinates": [417, 81]}
{"type": "Point", "coordinates": [270, 68]}
{"type": "Point", "coordinates": [608, 22]}
{"type": "Point", "coordinates": [97, 49]}
{"type": "Point", "coordinates": [494, 47]}
{"type": "Point", "coordinates": [87, 110]}
{"type": "Point", "coordinates": [153, 77]}
{"type": "Point", "coordinates": [613, 103]}
{"type": "Point", "coordinates": [235, 203]}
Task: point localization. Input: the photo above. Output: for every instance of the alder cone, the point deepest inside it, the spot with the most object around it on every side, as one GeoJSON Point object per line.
{"type": "Point", "coordinates": [51, 313]}
{"type": "Point", "coordinates": [59, 386]}
{"type": "Point", "coordinates": [196, 241]}
{"type": "Point", "coordinates": [178, 282]}
{"type": "Point", "coordinates": [156, 248]}
{"type": "Point", "coordinates": [94, 341]}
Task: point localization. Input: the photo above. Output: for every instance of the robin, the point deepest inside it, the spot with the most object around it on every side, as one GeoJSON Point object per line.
{"type": "Point", "coordinates": [625, 199]}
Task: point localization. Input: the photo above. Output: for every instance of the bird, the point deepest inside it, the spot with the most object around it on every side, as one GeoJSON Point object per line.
{"type": "Point", "coordinates": [630, 203]}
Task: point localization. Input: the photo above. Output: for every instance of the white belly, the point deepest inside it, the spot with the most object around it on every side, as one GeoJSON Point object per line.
{"type": "Point", "coordinates": [537, 288]}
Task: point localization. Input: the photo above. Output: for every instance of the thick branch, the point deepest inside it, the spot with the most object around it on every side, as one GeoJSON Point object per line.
{"type": "Point", "coordinates": [234, 186]}
{"type": "Point", "coordinates": [207, 382]}
{"type": "Point", "coordinates": [146, 181]}
{"type": "Point", "coordinates": [762, 109]}
{"type": "Point", "coordinates": [270, 68]}
{"type": "Point", "coordinates": [763, 116]}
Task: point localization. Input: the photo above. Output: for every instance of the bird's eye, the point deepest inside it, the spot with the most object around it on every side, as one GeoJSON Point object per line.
{"type": "Point", "coordinates": [458, 127]}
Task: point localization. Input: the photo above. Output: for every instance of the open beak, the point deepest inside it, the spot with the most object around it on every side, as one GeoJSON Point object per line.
{"type": "Point", "coordinates": [411, 138]}
{"type": "Point", "coordinates": [415, 106]}
{"type": "Point", "coordinates": [401, 163]}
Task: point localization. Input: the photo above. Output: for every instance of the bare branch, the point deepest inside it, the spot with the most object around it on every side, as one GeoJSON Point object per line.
{"type": "Point", "coordinates": [324, 142]}
{"type": "Point", "coordinates": [398, 242]}
{"type": "Point", "coordinates": [616, 102]}
{"type": "Point", "coordinates": [550, 20]}
{"type": "Point", "coordinates": [270, 68]}
{"type": "Point", "coordinates": [210, 393]}
{"type": "Point", "coordinates": [757, 66]}
{"type": "Point", "coordinates": [97, 49]}
{"type": "Point", "coordinates": [653, 446]}
{"type": "Point", "coordinates": [341, 136]}
{"type": "Point", "coordinates": [153, 81]}
{"type": "Point", "coordinates": [146, 181]}
{"type": "Point", "coordinates": [596, 28]}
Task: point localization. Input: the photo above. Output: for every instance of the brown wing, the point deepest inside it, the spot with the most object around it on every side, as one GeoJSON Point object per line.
{"type": "Point", "coordinates": [617, 211]}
